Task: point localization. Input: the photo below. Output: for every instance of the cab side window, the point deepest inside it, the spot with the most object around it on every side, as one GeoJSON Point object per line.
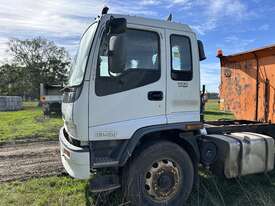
{"type": "Point", "coordinates": [181, 58]}
{"type": "Point", "coordinates": [142, 64]}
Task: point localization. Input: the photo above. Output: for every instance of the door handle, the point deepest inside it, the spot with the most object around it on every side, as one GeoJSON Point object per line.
{"type": "Point", "coordinates": [155, 95]}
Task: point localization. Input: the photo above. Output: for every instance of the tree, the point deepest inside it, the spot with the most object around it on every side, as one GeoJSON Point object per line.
{"type": "Point", "coordinates": [12, 81]}
{"type": "Point", "coordinates": [38, 61]}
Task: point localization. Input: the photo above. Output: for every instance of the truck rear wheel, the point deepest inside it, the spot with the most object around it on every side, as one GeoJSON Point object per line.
{"type": "Point", "coordinates": [162, 174]}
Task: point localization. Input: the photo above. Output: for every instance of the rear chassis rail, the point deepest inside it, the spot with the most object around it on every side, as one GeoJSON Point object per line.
{"type": "Point", "coordinates": [228, 126]}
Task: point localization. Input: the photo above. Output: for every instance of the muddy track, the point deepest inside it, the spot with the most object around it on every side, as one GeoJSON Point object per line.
{"type": "Point", "coordinates": [28, 159]}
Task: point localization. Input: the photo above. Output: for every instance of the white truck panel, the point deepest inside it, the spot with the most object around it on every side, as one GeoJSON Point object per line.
{"type": "Point", "coordinates": [183, 97]}
{"type": "Point", "coordinates": [75, 161]}
{"type": "Point", "coordinates": [186, 116]}
{"type": "Point", "coordinates": [131, 105]}
{"type": "Point", "coordinates": [123, 129]}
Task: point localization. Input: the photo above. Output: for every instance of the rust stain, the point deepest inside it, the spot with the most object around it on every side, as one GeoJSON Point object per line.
{"type": "Point", "coordinates": [238, 85]}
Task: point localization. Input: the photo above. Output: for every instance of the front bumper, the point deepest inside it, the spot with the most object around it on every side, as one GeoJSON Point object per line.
{"type": "Point", "coordinates": [75, 160]}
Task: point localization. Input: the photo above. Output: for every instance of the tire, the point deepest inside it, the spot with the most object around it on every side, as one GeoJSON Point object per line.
{"type": "Point", "coordinates": [161, 174]}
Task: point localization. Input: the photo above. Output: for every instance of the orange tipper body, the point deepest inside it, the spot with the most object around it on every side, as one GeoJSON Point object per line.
{"type": "Point", "coordinates": [248, 84]}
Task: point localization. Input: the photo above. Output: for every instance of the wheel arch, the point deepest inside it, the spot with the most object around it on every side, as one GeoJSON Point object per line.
{"type": "Point", "coordinates": [177, 133]}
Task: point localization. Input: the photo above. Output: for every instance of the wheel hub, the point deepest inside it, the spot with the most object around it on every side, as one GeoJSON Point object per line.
{"type": "Point", "coordinates": [162, 180]}
{"type": "Point", "coordinates": [165, 181]}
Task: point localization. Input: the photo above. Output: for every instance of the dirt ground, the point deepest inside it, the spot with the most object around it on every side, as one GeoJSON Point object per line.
{"type": "Point", "coordinates": [27, 159]}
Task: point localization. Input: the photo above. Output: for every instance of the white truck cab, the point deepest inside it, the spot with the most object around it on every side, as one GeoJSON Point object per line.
{"type": "Point", "coordinates": [133, 104]}
{"type": "Point", "coordinates": [159, 83]}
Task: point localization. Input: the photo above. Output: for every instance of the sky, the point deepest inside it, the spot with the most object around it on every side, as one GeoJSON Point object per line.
{"type": "Point", "coordinates": [231, 25]}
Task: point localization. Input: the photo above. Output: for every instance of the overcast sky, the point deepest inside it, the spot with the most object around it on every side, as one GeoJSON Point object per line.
{"type": "Point", "coordinates": [232, 25]}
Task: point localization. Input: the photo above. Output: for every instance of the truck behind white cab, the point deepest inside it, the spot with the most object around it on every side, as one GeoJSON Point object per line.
{"type": "Point", "coordinates": [133, 105]}
{"type": "Point", "coordinates": [50, 98]}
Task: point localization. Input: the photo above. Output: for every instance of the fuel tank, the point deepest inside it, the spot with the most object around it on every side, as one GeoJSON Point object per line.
{"type": "Point", "coordinates": [242, 153]}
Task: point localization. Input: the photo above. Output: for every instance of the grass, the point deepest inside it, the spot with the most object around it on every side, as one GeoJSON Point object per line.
{"type": "Point", "coordinates": [251, 190]}
{"type": "Point", "coordinates": [212, 112]}
{"type": "Point", "coordinates": [44, 191]}
{"type": "Point", "coordinates": [254, 190]}
{"type": "Point", "coordinates": [28, 123]}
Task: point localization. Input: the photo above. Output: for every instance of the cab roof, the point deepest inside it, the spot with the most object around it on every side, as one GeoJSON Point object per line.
{"type": "Point", "coordinates": [151, 22]}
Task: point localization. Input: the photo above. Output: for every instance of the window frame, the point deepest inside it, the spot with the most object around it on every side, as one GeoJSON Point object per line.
{"type": "Point", "coordinates": [158, 69]}
{"type": "Point", "coordinates": [181, 75]}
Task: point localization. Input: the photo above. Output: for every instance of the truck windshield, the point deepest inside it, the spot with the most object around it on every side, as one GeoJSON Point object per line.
{"type": "Point", "coordinates": [79, 64]}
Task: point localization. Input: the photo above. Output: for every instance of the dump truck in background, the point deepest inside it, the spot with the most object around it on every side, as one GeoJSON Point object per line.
{"type": "Point", "coordinates": [50, 98]}
{"type": "Point", "coordinates": [248, 84]}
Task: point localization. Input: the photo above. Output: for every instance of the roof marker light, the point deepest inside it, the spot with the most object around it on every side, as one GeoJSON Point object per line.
{"type": "Point", "coordinates": [219, 53]}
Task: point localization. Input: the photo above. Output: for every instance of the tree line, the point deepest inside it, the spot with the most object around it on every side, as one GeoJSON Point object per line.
{"type": "Point", "coordinates": [33, 61]}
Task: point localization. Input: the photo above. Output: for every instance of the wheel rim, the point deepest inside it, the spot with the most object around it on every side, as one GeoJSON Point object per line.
{"type": "Point", "coordinates": [162, 180]}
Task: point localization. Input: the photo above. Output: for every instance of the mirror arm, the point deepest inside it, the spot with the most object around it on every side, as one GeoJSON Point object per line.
{"type": "Point", "coordinates": [108, 26]}
{"type": "Point", "coordinates": [110, 53]}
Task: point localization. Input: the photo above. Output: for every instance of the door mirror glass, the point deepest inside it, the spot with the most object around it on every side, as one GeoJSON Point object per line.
{"type": "Point", "coordinates": [117, 54]}
{"type": "Point", "coordinates": [201, 51]}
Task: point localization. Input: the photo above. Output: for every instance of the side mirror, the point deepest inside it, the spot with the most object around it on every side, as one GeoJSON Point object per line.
{"type": "Point", "coordinates": [201, 51]}
{"type": "Point", "coordinates": [117, 25]}
{"type": "Point", "coordinates": [117, 54]}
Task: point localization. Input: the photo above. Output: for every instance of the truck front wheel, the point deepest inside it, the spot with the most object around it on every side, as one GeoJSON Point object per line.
{"type": "Point", "coordinates": [161, 174]}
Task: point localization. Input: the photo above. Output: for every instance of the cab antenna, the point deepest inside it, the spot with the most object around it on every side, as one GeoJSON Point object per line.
{"type": "Point", "coordinates": [169, 18]}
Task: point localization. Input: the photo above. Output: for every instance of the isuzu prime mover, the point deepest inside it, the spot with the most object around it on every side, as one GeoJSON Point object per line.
{"type": "Point", "coordinates": [133, 107]}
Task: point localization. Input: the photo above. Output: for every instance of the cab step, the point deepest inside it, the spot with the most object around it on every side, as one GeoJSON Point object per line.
{"type": "Point", "coordinates": [103, 162]}
{"type": "Point", "coordinates": [104, 183]}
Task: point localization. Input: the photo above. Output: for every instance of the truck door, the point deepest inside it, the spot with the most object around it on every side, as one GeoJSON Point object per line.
{"type": "Point", "coordinates": [121, 104]}
{"type": "Point", "coordinates": [183, 80]}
